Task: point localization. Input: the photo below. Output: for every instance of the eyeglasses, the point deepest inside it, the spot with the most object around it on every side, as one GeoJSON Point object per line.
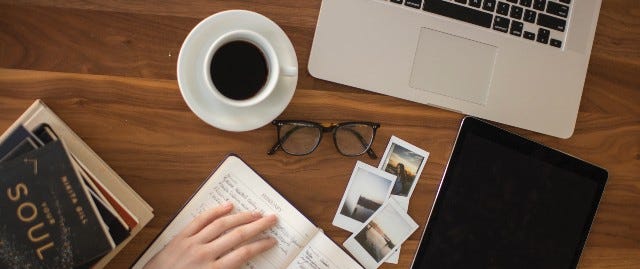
{"type": "Point", "coordinates": [299, 138]}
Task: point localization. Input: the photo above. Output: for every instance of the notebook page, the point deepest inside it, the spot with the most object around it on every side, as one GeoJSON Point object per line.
{"type": "Point", "coordinates": [322, 253]}
{"type": "Point", "coordinates": [234, 181]}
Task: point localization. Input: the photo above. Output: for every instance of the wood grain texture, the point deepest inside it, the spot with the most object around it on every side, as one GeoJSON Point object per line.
{"type": "Point", "coordinates": [107, 68]}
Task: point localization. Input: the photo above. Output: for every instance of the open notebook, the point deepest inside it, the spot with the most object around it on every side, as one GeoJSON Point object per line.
{"type": "Point", "coordinates": [300, 243]}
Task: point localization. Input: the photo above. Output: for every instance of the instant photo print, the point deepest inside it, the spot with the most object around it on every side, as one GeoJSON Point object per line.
{"type": "Point", "coordinates": [381, 235]}
{"type": "Point", "coordinates": [406, 161]}
{"type": "Point", "coordinates": [367, 190]}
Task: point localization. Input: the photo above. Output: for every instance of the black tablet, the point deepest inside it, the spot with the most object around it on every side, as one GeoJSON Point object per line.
{"type": "Point", "coordinates": [508, 202]}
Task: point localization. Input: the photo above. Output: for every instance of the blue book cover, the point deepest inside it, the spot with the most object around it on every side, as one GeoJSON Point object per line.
{"type": "Point", "coordinates": [48, 220]}
{"type": "Point", "coordinates": [19, 141]}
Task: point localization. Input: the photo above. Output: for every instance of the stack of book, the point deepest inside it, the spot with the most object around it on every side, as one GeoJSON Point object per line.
{"type": "Point", "coordinates": [61, 205]}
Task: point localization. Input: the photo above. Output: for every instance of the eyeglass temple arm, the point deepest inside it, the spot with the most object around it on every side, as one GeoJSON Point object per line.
{"type": "Point", "coordinates": [284, 138]}
{"type": "Point", "coordinates": [275, 148]}
{"type": "Point", "coordinates": [364, 143]}
{"type": "Point", "coordinates": [372, 154]}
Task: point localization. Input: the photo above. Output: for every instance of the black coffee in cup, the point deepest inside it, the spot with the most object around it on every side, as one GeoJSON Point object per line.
{"type": "Point", "coordinates": [238, 70]}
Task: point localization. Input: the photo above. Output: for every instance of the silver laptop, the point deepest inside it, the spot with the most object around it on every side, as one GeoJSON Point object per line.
{"type": "Point", "coordinates": [518, 62]}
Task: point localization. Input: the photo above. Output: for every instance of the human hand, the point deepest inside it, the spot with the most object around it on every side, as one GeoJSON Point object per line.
{"type": "Point", "coordinates": [215, 239]}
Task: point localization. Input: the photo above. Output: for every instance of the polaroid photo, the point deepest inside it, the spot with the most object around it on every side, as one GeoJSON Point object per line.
{"type": "Point", "coordinates": [381, 235]}
{"type": "Point", "coordinates": [367, 190]}
{"type": "Point", "coordinates": [406, 161]}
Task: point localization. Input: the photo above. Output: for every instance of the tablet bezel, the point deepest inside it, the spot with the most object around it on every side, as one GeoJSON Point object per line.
{"type": "Point", "coordinates": [471, 125]}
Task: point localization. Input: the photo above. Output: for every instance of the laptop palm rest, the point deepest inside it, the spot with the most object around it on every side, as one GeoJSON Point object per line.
{"type": "Point", "coordinates": [453, 66]}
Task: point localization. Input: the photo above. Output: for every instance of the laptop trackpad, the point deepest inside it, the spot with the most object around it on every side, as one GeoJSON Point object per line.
{"type": "Point", "coordinates": [453, 66]}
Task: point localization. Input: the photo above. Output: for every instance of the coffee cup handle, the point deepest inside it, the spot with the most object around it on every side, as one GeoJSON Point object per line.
{"type": "Point", "coordinates": [289, 71]}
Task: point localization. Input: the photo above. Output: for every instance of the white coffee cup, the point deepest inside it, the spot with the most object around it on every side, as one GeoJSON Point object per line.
{"type": "Point", "coordinates": [274, 67]}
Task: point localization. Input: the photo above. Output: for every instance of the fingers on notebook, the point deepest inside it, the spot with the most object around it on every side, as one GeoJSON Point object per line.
{"type": "Point", "coordinates": [239, 256]}
{"type": "Point", "coordinates": [204, 219]}
{"type": "Point", "coordinates": [230, 239]}
{"type": "Point", "coordinates": [223, 224]}
{"type": "Point", "coordinates": [241, 234]}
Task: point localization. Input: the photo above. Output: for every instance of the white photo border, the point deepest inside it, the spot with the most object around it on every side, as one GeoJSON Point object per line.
{"type": "Point", "coordinates": [351, 224]}
{"type": "Point", "coordinates": [358, 252]}
{"type": "Point", "coordinates": [402, 200]}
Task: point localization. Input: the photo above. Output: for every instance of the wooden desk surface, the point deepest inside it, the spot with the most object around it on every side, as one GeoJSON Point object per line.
{"type": "Point", "coordinates": [107, 68]}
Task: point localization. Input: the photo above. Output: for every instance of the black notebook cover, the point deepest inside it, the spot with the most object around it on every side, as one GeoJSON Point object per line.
{"type": "Point", "coordinates": [47, 219]}
{"type": "Point", "coordinates": [118, 231]}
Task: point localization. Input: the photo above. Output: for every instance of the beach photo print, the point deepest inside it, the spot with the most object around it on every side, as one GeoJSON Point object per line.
{"type": "Point", "coordinates": [381, 235]}
{"type": "Point", "coordinates": [367, 190]}
{"type": "Point", "coordinates": [406, 161]}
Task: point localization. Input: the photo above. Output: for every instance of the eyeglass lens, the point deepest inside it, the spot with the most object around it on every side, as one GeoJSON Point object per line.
{"type": "Point", "coordinates": [299, 139]}
{"type": "Point", "coordinates": [353, 139]}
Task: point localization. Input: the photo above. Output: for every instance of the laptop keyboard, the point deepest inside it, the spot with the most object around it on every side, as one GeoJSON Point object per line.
{"type": "Point", "coordinates": [541, 21]}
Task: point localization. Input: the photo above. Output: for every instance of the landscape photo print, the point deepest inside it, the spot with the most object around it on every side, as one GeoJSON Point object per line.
{"type": "Point", "coordinates": [381, 235]}
{"type": "Point", "coordinates": [367, 190]}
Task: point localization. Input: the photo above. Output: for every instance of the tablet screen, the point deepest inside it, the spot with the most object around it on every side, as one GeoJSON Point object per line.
{"type": "Point", "coordinates": [506, 202]}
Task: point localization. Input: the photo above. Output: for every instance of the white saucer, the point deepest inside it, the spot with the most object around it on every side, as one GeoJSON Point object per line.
{"type": "Point", "coordinates": [193, 83]}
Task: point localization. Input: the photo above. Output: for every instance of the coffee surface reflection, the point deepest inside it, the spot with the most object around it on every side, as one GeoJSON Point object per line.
{"type": "Point", "coordinates": [239, 70]}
